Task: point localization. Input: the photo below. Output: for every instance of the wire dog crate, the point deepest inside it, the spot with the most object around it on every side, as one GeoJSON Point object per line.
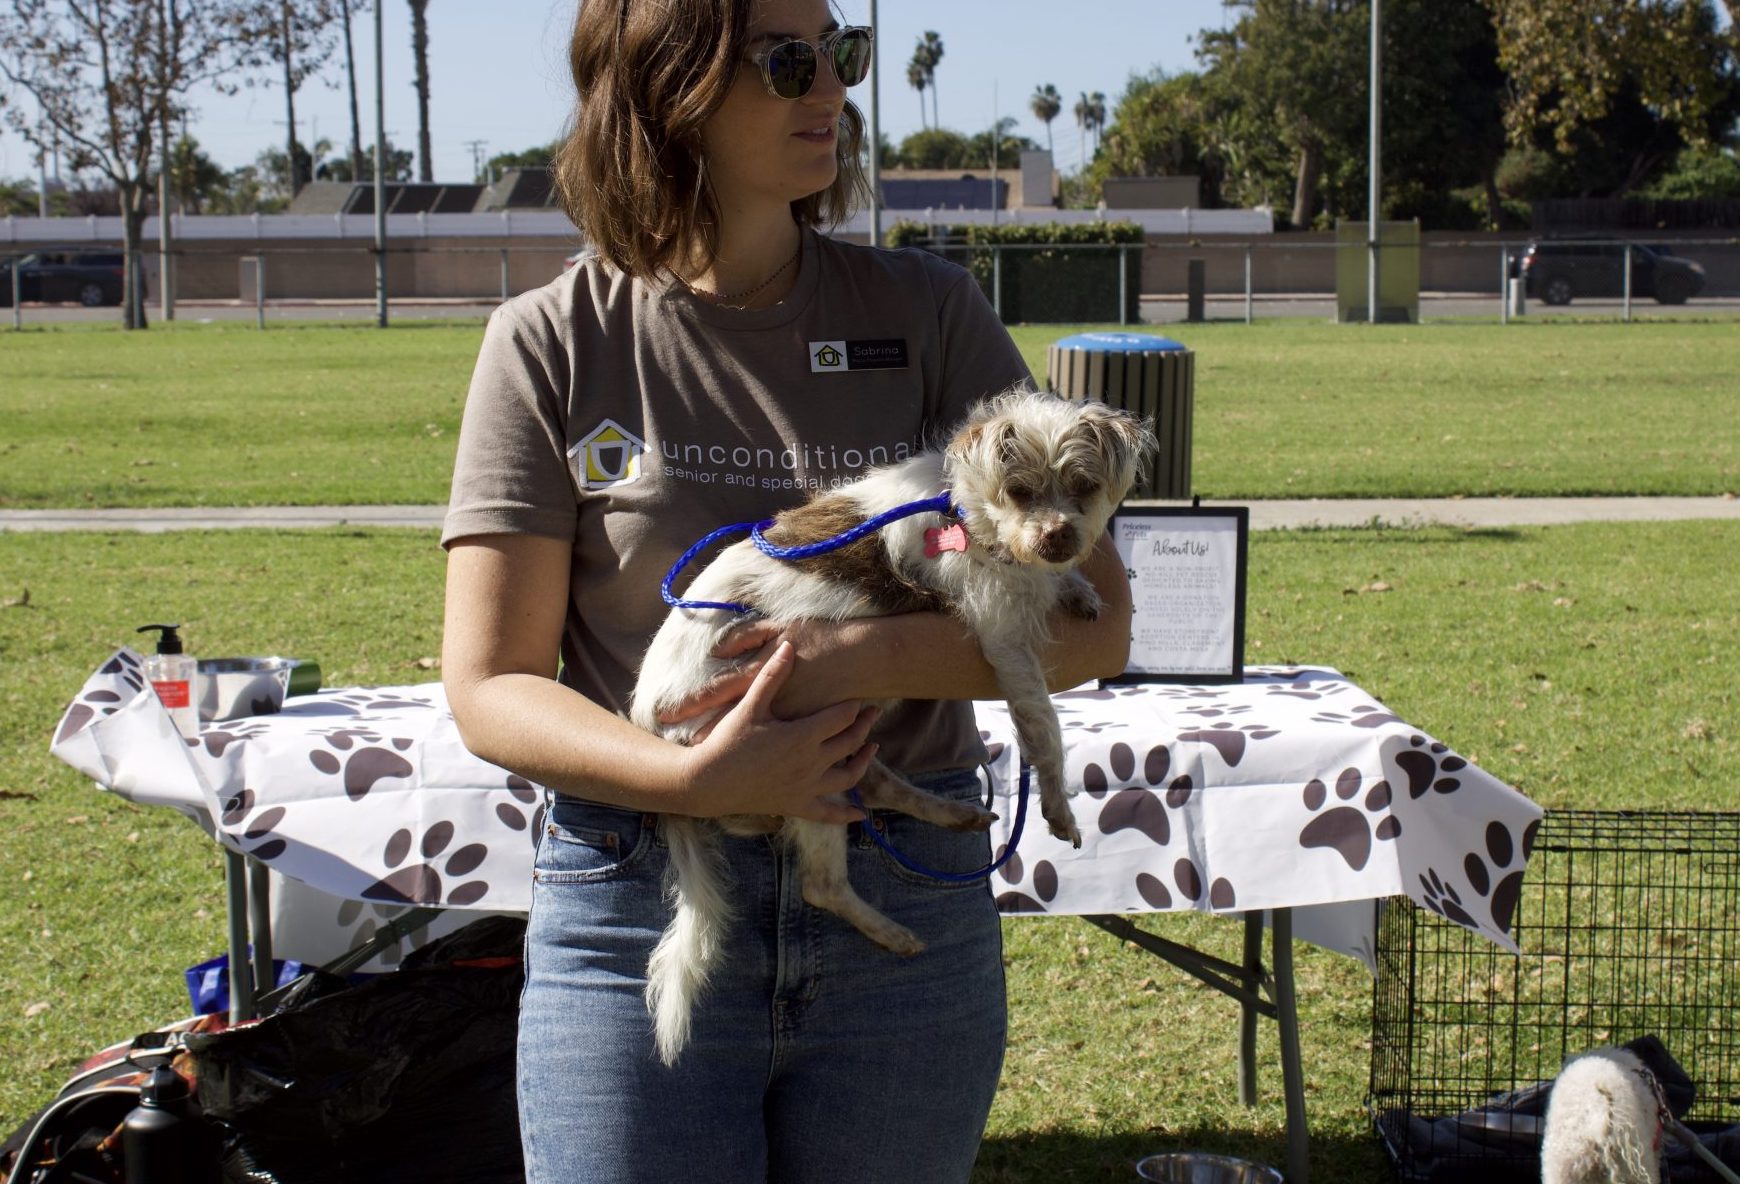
{"type": "Point", "coordinates": [1627, 925]}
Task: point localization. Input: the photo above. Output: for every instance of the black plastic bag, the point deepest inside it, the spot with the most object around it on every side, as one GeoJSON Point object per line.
{"type": "Point", "coordinates": [409, 1076]}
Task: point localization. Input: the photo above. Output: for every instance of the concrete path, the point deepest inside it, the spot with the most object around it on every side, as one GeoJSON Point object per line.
{"type": "Point", "coordinates": [1265, 515]}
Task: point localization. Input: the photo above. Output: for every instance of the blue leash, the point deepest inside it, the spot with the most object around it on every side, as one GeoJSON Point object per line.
{"type": "Point", "coordinates": [942, 503]}
{"type": "Point", "coordinates": [911, 864]}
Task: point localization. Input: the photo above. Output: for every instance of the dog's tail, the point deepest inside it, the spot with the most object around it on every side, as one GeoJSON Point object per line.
{"type": "Point", "coordinates": [677, 972]}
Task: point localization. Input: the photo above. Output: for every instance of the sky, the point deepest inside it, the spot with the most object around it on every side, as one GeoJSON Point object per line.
{"type": "Point", "coordinates": [498, 74]}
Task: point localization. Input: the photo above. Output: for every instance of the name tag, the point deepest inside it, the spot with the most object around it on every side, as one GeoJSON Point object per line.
{"type": "Point", "coordinates": [828, 357]}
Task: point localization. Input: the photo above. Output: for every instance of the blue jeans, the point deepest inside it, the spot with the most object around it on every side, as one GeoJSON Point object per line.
{"type": "Point", "coordinates": [816, 1055]}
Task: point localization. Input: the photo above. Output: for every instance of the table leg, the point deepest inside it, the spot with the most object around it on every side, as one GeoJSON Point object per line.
{"type": "Point", "coordinates": [241, 973]}
{"type": "Point", "coordinates": [1253, 962]}
{"type": "Point", "coordinates": [260, 924]}
{"type": "Point", "coordinates": [1292, 1072]}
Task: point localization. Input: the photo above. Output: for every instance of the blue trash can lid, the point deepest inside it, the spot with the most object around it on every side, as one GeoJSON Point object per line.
{"type": "Point", "coordinates": [1139, 343]}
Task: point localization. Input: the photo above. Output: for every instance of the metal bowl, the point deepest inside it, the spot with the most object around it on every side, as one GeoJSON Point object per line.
{"type": "Point", "coordinates": [1195, 1167]}
{"type": "Point", "coordinates": [233, 688]}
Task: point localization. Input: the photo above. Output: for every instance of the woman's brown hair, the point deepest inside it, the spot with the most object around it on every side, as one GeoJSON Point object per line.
{"type": "Point", "coordinates": [647, 75]}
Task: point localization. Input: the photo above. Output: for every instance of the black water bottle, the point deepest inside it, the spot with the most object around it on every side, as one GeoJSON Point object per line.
{"type": "Point", "coordinates": [158, 1136]}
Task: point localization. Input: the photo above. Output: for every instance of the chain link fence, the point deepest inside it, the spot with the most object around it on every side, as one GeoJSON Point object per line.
{"type": "Point", "coordinates": [1169, 280]}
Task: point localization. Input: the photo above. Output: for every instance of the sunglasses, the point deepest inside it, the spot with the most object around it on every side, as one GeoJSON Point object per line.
{"type": "Point", "coordinates": [788, 69]}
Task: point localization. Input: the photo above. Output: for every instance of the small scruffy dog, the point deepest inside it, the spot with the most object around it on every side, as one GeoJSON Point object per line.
{"type": "Point", "coordinates": [1035, 479]}
{"type": "Point", "coordinates": [1604, 1122]}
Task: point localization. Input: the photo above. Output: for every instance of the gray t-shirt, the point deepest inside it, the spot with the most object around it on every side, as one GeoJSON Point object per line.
{"type": "Point", "coordinates": [633, 419]}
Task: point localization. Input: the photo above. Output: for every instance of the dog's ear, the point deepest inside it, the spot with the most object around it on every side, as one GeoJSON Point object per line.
{"type": "Point", "coordinates": [1125, 440]}
{"type": "Point", "coordinates": [964, 441]}
{"type": "Point", "coordinates": [986, 435]}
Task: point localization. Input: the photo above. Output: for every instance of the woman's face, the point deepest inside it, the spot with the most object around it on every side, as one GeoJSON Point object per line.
{"type": "Point", "coordinates": [763, 151]}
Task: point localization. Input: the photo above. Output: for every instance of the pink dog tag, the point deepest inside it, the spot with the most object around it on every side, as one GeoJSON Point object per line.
{"type": "Point", "coordinates": [944, 538]}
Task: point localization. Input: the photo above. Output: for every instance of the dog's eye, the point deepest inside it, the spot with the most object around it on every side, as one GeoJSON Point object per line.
{"type": "Point", "coordinates": [1082, 490]}
{"type": "Point", "coordinates": [1019, 494]}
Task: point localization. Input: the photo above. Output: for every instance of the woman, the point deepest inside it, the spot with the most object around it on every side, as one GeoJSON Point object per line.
{"type": "Point", "coordinates": [715, 360]}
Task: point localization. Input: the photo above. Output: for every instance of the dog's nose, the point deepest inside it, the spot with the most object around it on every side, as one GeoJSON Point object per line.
{"type": "Point", "coordinates": [1057, 543]}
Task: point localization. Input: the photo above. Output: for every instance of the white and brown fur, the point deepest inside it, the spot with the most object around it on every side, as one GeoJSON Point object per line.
{"type": "Point", "coordinates": [1604, 1122]}
{"type": "Point", "coordinates": [1036, 479]}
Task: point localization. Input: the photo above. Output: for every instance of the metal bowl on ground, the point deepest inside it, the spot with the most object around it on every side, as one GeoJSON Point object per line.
{"type": "Point", "coordinates": [1195, 1167]}
{"type": "Point", "coordinates": [233, 688]}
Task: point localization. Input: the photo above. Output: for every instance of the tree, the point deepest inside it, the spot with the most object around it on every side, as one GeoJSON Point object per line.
{"type": "Point", "coordinates": [529, 158]}
{"type": "Point", "coordinates": [937, 148]}
{"type": "Point", "coordinates": [917, 79]}
{"type": "Point", "coordinates": [1699, 174]}
{"type": "Point", "coordinates": [420, 50]}
{"type": "Point", "coordinates": [347, 9]}
{"type": "Point", "coordinates": [1299, 66]}
{"type": "Point", "coordinates": [1581, 72]}
{"type": "Point", "coordinates": [194, 178]}
{"type": "Point", "coordinates": [1097, 116]}
{"type": "Point", "coordinates": [1084, 118]}
{"type": "Point", "coordinates": [929, 54]}
{"type": "Point", "coordinates": [1045, 104]}
{"type": "Point", "coordinates": [293, 39]}
{"type": "Point", "coordinates": [400, 165]}
{"type": "Point", "coordinates": [1164, 127]}
{"type": "Point", "coordinates": [18, 199]}
{"type": "Point", "coordinates": [1444, 96]}
{"type": "Point", "coordinates": [281, 177]}
{"type": "Point", "coordinates": [105, 77]}
{"type": "Point", "coordinates": [998, 142]}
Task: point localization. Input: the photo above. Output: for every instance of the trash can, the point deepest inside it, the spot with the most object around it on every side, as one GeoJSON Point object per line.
{"type": "Point", "coordinates": [1149, 376]}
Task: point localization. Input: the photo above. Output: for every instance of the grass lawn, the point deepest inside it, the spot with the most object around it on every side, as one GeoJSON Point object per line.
{"type": "Point", "coordinates": [308, 414]}
{"type": "Point", "coordinates": [1589, 665]}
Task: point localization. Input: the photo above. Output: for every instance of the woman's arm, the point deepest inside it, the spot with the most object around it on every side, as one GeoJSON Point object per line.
{"type": "Point", "coordinates": [926, 655]}
{"type": "Point", "coordinates": [506, 600]}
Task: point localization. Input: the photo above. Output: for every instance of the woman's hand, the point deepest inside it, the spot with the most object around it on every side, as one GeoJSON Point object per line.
{"type": "Point", "coordinates": [751, 762]}
{"type": "Point", "coordinates": [809, 687]}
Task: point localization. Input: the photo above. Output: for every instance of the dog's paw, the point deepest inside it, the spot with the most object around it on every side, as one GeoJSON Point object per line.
{"type": "Point", "coordinates": [895, 938]}
{"type": "Point", "coordinates": [968, 816]}
{"type": "Point", "coordinates": [1080, 599]}
{"type": "Point", "coordinates": [908, 947]}
{"type": "Point", "coordinates": [1064, 828]}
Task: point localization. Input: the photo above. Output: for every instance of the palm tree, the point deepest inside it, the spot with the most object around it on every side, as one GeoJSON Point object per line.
{"type": "Point", "coordinates": [1084, 120]}
{"type": "Point", "coordinates": [420, 48]}
{"type": "Point", "coordinates": [932, 48]}
{"type": "Point", "coordinates": [1046, 103]}
{"type": "Point", "coordinates": [916, 79]}
{"type": "Point", "coordinates": [1097, 109]}
{"type": "Point", "coordinates": [347, 8]}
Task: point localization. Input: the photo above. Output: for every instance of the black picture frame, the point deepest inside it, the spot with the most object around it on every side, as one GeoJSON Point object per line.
{"type": "Point", "coordinates": [1220, 655]}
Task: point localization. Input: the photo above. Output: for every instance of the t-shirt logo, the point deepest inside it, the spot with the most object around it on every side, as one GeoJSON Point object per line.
{"type": "Point", "coordinates": [607, 455]}
{"type": "Point", "coordinates": [831, 357]}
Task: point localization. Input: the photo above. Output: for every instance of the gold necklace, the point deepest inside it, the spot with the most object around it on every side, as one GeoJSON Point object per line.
{"type": "Point", "coordinates": [734, 299]}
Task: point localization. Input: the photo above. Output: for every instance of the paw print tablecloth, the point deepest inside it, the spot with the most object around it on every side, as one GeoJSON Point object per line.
{"type": "Point", "coordinates": [1295, 788]}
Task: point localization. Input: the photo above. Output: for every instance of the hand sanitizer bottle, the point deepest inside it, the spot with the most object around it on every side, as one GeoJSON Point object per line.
{"type": "Point", "coordinates": [172, 675]}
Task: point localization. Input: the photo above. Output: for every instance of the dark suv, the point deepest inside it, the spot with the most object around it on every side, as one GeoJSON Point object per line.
{"type": "Point", "coordinates": [65, 274]}
{"type": "Point", "coordinates": [1558, 270]}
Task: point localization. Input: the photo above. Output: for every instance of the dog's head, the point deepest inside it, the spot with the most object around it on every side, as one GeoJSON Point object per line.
{"type": "Point", "coordinates": [1037, 477]}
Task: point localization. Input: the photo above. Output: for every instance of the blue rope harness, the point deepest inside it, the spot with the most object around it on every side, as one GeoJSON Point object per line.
{"type": "Point", "coordinates": [942, 503]}
{"type": "Point", "coordinates": [911, 864]}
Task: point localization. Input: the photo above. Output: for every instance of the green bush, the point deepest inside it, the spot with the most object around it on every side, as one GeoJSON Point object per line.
{"type": "Point", "coordinates": [1051, 284]}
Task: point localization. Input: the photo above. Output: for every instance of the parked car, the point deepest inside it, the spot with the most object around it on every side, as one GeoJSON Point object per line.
{"type": "Point", "coordinates": [1559, 270]}
{"type": "Point", "coordinates": [66, 274]}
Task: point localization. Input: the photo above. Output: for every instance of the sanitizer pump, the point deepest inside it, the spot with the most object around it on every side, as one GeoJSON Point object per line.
{"type": "Point", "coordinates": [173, 674]}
